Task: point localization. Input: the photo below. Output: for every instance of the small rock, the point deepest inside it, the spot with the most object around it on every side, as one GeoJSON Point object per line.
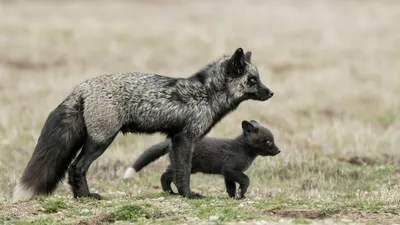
{"type": "Point", "coordinates": [241, 205]}
{"type": "Point", "coordinates": [214, 217]}
{"type": "Point", "coordinates": [192, 219]}
{"type": "Point", "coordinates": [160, 198]}
{"type": "Point", "coordinates": [285, 221]}
{"type": "Point", "coordinates": [84, 211]}
{"type": "Point", "coordinates": [326, 221]}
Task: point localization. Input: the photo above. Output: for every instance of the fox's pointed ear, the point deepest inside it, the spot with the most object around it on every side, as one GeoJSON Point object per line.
{"type": "Point", "coordinates": [237, 61]}
{"type": "Point", "coordinates": [248, 127]}
{"type": "Point", "coordinates": [247, 56]}
{"type": "Point", "coordinates": [254, 122]}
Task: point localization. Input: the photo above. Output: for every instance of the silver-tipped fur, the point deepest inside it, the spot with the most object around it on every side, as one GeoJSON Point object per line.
{"type": "Point", "coordinates": [22, 193]}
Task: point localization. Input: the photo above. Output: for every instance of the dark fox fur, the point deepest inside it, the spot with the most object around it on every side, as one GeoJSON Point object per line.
{"type": "Point", "coordinates": [184, 109]}
{"type": "Point", "coordinates": [226, 157]}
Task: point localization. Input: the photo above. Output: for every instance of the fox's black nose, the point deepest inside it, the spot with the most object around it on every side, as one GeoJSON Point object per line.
{"type": "Point", "coordinates": [271, 94]}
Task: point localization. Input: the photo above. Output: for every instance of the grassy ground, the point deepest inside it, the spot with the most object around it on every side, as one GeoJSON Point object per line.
{"type": "Point", "coordinates": [333, 65]}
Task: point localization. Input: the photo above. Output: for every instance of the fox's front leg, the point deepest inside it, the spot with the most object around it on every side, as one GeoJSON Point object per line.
{"type": "Point", "coordinates": [240, 178]}
{"type": "Point", "coordinates": [230, 187]}
{"type": "Point", "coordinates": [181, 162]}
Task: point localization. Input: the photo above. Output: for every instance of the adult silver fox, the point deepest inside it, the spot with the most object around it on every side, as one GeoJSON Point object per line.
{"type": "Point", "coordinates": [184, 109]}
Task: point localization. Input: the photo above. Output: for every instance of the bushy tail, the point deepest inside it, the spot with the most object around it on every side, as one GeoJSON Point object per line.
{"type": "Point", "coordinates": [147, 157]}
{"type": "Point", "coordinates": [60, 139]}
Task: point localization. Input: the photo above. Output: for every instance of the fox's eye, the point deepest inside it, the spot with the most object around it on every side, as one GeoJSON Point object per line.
{"type": "Point", "coordinates": [252, 81]}
{"type": "Point", "coordinates": [269, 142]}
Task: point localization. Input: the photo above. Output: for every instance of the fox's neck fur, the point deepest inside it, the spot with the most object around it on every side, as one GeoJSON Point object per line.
{"type": "Point", "coordinates": [209, 85]}
{"type": "Point", "coordinates": [213, 81]}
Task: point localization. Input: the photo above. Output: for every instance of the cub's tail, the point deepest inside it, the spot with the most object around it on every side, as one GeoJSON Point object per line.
{"type": "Point", "coordinates": [60, 139]}
{"type": "Point", "coordinates": [147, 157]}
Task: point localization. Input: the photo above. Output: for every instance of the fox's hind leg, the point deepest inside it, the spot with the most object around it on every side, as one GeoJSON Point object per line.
{"type": "Point", "coordinates": [78, 169]}
{"type": "Point", "coordinates": [166, 180]}
{"type": "Point", "coordinates": [230, 187]}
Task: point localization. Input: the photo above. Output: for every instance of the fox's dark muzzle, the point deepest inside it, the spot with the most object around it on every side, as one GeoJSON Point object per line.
{"type": "Point", "coordinates": [271, 152]}
{"type": "Point", "coordinates": [277, 152]}
{"type": "Point", "coordinates": [264, 93]}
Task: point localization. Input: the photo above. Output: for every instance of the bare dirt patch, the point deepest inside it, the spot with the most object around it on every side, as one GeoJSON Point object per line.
{"type": "Point", "coordinates": [299, 213]}
{"type": "Point", "coordinates": [99, 219]}
{"type": "Point", "coordinates": [302, 213]}
{"type": "Point", "coordinates": [381, 218]}
{"type": "Point", "coordinates": [319, 214]}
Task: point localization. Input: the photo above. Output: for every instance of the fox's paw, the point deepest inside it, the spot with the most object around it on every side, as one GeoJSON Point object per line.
{"type": "Point", "coordinates": [194, 195]}
{"type": "Point", "coordinates": [232, 196]}
{"type": "Point", "coordinates": [95, 196]}
{"type": "Point", "coordinates": [171, 192]}
{"type": "Point", "coordinates": [240, 197]}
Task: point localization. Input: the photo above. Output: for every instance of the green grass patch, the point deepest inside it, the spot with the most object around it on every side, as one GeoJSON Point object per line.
{"type": "Point", "coordinates": [53, 205]}
{"type": "Point", "coordinates": [147, 195]}
{"type": "Point", "coordinates": [285, 202]}
{"type": "Point", "coordinates": [374, 206]}
{"type": "Point", "coordinates": [327, 207]}
{"type": "Point", "coordinates": [225, 210]}
{"type": "Point", "coordinates": [325, 175]}
{"type": "Point", "coordinates": [136, 212]}
{"type": "Point", "coordinates": [44, 220]}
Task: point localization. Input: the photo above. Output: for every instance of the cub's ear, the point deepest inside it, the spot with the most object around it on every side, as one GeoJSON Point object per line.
{"type": "Point", "coordinates": [254, 122]}
{"type": "Point", "coordinates": [247, 56]}
{"type": "Point", "coordinates": [237, 62]}
{"type": "Point", "coordinates": [248, 127]}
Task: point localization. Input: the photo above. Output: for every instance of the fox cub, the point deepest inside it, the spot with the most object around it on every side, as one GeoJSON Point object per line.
{"type": "Point", "coordinates": [226, 157]}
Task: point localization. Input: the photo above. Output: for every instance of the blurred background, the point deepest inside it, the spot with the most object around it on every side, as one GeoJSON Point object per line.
{"type": "Point", "coordinates": [334, 67]}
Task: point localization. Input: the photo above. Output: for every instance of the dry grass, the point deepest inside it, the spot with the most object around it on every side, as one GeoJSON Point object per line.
{"type": "Point", "coordinates": [334, 66]}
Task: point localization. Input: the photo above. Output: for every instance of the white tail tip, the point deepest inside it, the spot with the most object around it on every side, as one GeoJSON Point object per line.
{"type": "Point", "coordinates": [129, 173]}
{"type": "Point", "coordinates": [22, 193]}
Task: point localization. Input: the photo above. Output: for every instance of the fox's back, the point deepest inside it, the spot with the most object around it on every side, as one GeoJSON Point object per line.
{"type": "Point", "coordinates": [140, 102]}
{"type": "Point", "coordinates": [122, 85]}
